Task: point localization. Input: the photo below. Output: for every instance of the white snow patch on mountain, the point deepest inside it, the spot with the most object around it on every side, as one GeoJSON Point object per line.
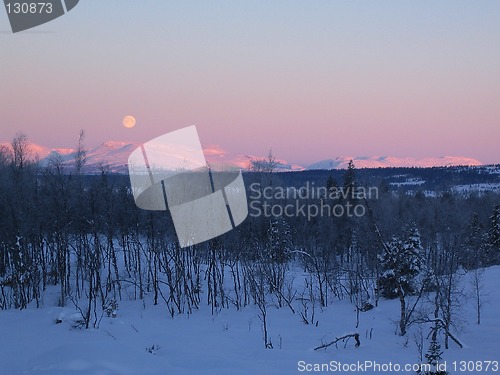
{"type": "Point", "coordinates": [390, 161]}
{"type": "Point", "coordinates": [113, 156]}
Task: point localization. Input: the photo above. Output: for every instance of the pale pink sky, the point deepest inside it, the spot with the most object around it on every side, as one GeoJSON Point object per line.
{"type": "Point", "coordinates": [312, 80]}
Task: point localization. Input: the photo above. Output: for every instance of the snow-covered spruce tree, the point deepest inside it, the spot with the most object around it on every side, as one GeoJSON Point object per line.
{"type": "Point", "coordinates": [277, 254]}
{"type": "Point", "coordinates": [473, 251]}
{"type": "Point", "coordinates": [401, 265]}
{"type": "Point", "coordinates": [493, 240]}
{"type": "Point", "coordinates": [279, 240]}
{"type": "Point", "coordinates": [433, 357]}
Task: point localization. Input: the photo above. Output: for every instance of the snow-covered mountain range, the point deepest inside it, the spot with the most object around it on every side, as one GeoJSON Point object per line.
{"type": "Point", "coordinates": [113, 156]}
{"type": "Point", "coordinates": [391, 161]}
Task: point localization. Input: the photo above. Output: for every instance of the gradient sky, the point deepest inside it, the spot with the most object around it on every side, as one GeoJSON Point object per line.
{"type": "Point", "coordinates": [312, 79]}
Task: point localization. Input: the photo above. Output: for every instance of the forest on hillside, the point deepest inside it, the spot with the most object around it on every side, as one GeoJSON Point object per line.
{"type": "Point", "coordinates": [85, 235]}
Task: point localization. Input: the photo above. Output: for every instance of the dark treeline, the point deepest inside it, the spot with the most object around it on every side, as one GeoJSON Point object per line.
{"type": "Point", "coordinates": [432, 179]}
{"type": "Point", "coordinates": [85, 235]}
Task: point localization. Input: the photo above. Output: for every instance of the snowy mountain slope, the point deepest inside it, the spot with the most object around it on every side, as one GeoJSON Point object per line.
{"type": "Point", "coordinates": [114, 155]}
{"type": "Point", "coordinates": [388, 161]}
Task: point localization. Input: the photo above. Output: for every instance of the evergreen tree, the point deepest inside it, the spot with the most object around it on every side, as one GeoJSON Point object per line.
{"type": "Point", "coordinates": [401, 263]}
{"type": "Point", "coordinates": [472, 255]}
{"type": "Point", "coordinates": [493, 238]}
{"type": "Point", "coordinates": [433, 357]}
{"type": "Point", "coordinates": [331, 186]}
{"type": "Point", "coordinates": [279, 240]}
{"type": "Point", "coordinates": [349, 180]}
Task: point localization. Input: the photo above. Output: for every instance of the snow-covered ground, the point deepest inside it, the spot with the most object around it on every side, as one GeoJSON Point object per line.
{"type": "Point", "coordinates": [477, 188]}
{"type": "Point", "coordinates": [144, 339]}
{"type": "Point", "coordinates": [408, 182]}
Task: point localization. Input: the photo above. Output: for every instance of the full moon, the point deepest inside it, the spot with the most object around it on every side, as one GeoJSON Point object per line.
{"type": "Point", "coordinates": [129, 121]}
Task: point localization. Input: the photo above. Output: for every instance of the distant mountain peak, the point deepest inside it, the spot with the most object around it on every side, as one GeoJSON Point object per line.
{"type": "Point", "coordinates": [117, 144]}
{"type": "Point", "coordinates": [113, 155]}
{"type": "Point", "coordinates": [391, 162]}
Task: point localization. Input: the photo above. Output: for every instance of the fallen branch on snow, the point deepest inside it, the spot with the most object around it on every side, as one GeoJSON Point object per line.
{"type": "Point", "coordinates": [337, 339]}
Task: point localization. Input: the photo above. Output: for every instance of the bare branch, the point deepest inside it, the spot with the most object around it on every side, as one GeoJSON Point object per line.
{"type": "Point", "coordinates": [337, 339]}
